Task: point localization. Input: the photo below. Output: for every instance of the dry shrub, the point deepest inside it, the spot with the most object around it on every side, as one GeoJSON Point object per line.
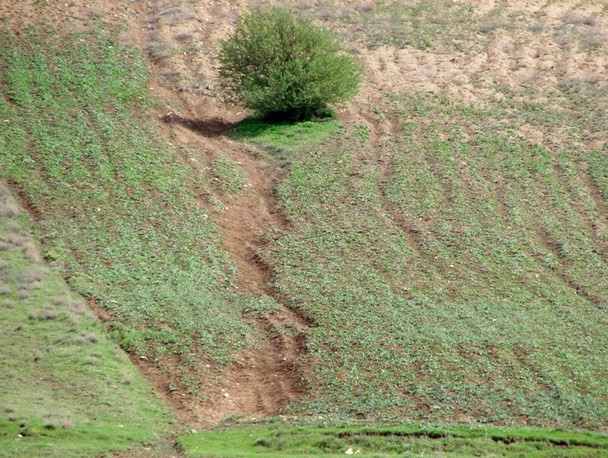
{"type": "Point", "coordinates": [344, 12]}
{"type": "Point", "coordinates": [366, 7]}
{"type": "Point", "coordinates": [594, 37]}
{"type": "Point", "coordinates": [564, 41]}
{"type": "Point", "coordinates": [176, 16]}
{"type": "Point", "coordinates": [9, 210]}
{"type": "Point", "coordinates": [489, 24]}
{"type": "Point", "coordinates": [324, 14]}
{"type": "Point", "coordinates": [32, 253]}
{"type": "Point", "coordinates": [577, 19]}
{"type": "Point", "coordinates": [161, 48]}
{"type": "Point", "coordinates": [352, 48]}
{"type": "Point", "coordinates": [186, 34]}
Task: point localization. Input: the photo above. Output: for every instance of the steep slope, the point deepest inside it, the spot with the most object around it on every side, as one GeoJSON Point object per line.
{"type": "Point", "coordinates": [66, 389]}
{"type": "Point", "coordinates": [440, 257]}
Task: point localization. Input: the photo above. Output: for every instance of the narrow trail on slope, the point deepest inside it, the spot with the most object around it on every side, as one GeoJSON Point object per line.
{"type": "Point", "coordinates": [263, 380]}
{"type": "Point", "coordinates": [267, 379]}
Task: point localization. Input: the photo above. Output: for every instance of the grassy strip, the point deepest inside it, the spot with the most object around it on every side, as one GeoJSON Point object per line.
{"type": "Point", "coordinates": [383, 441]}
{"type": "Point", "coordinates": [65, 388]}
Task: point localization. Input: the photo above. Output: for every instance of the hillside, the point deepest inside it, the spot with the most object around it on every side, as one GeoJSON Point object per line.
{"type": "Point", "coordinates": [437, 253]}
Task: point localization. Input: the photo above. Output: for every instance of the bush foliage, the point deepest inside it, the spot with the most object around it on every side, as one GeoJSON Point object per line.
{"type": "Point", "coordinates": [285, 67]}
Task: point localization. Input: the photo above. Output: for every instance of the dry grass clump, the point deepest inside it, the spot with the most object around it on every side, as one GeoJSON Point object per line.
{"type": "Point", "coordinates": [577, 19]}
{"type": "Point", "coordinates": [9, 210]}
{"type": "Point", "coordinates": [88, 339]}
{"type": "Point", "coordinates": [57, 421]}
{"type": "Point", "coordinates": [538, 27]}
{"type": "Point", "coordinates": [489, 24]}
{"type": "Point", "coordinates": [32, 253]}
{"type": "Point", "coordinates": [93, 360]}
{"type": "Point", "coordinates": [43, 315]}
{"type": "Point", "coordinates": [4, 266]}
{"type": "Point", "coordinates": [366, 7]}
{"type": "Point", "coordinates": [441, 18]}
{"type": "Point", "coordinates": [30, 275]}
{"type": "Point", "coordinates": [4, 245]}
{"type": "Point", "coordinates": [61, 301]}
{"type": "Point", "coordinates": [593, 78]}
{"type": "Point", "coordinates": [186, 34]}
{"type": "Point", "coordinates": [126, 378]}
{"type": "Point", "coordinates": [9, 304]}
{"type": "Point", "coordinates": [303, 5]}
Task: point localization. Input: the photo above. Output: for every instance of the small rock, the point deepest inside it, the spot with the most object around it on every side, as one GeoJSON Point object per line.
{"type": "Point", "coordinates": [226, 395]}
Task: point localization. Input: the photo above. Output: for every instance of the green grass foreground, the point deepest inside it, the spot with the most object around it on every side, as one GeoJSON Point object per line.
{"type": "Point", "coordinates": [285, 440]}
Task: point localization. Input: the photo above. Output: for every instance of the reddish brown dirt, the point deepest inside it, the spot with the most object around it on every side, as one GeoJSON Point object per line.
{"type": "Point", "coordinates": [266, 379]}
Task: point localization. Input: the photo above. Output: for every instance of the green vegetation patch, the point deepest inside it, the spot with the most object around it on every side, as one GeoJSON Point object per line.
{"type": "Point", "coordinates": [384, 441]}
{"type": "Point", "coordinates": [65, 388]}
{"type": "Point", "coordinates": [456, 273]}
{"type": "Point", "coordinates": [115, 208]}
{"type": "Point", "coordinates": [227, 177]}
{"type": "Point", "coordinates": [283, 134]}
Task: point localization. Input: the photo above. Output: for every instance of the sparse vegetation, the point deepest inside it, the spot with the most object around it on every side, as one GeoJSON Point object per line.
{"type": "Point", "coordinates": [438, 255]}
{"type": "Point", "coordinates": [53, 403]}
{"type": "Point", "coordinates": [121, 220]}
{"type": "Point", "coordinates": [284, 67]}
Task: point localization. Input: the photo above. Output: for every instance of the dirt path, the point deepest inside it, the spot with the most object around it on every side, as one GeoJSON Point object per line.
{"type": "Point", "coordinates": [265, 380]}
{"type": "Point", "coordinates": [181, 40]}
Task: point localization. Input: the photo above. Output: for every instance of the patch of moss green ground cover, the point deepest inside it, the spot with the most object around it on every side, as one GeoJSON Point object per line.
{"type": "Point", "coordinates": [116, 208]}
{"type": "Point", "coordinates": [280, 439]}
{"type": "Point", "coordinates": [455, 273]}
{"type": "Point", "coordinates": [65, 388]}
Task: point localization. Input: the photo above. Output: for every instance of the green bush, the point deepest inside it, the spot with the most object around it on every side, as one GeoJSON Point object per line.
{"type": "Point", "coordinates": [284, 67]}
